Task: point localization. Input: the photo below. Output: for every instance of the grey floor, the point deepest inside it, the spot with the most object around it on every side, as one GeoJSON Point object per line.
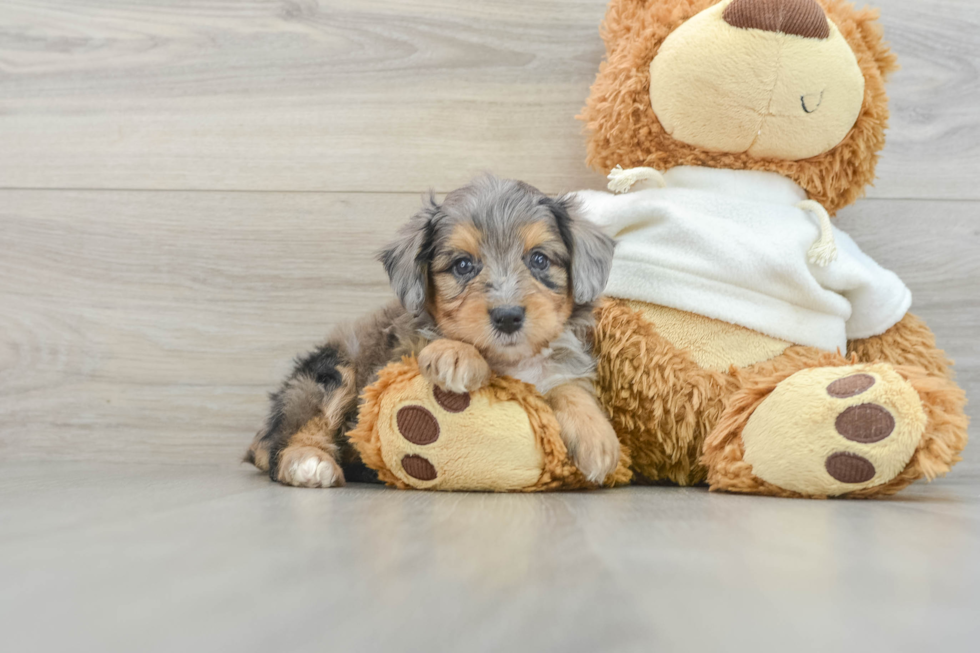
{"type": "Point", "coordinates": [191, 192]}
{"type": "Point", "coordinates": [108, 557]}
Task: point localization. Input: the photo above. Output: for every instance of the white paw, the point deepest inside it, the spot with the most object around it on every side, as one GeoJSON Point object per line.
{"type": "Point", "coordinates": [312, 469]}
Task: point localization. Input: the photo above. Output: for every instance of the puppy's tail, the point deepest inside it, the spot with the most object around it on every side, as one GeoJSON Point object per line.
{"type": "Point", "coordinates": [258, 451]}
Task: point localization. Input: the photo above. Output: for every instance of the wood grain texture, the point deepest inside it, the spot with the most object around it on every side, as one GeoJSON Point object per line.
{"type": "Point", "coordinates": [159, 320]}
{"type": "Point", "coordinates": [384, 95]}
{"type": "Point", "coordinates": [151, 558]}
{"type": "Point", "coordinates": [143, 325]}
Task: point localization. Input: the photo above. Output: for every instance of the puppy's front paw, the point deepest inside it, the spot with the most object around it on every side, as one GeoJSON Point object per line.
{"type": "Point", "coordinates": [309, 467]}
{"type": "Point", "coordinates": [590, 438]}
{"type": "Point", "coordinates": [454, 366]}
{"type": "Point", "coordinates": [595, 450]}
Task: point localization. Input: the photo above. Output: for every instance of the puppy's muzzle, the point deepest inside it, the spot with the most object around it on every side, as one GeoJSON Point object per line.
{"type": "Point", "coordinates": [507, 319]}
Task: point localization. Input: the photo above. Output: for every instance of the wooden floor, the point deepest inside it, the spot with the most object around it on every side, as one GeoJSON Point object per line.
{"type": "Point", "coordinates": [102, 557]}
{"type": "Point", "coordinates": [192, 191]}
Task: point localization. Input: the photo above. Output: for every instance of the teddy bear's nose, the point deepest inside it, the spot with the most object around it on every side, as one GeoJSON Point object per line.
{"type": "Point", "coordinates": [799, 17]}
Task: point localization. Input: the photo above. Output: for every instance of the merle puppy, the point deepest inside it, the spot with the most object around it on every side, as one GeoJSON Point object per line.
{"type": "Point", "coordinates": [498, 278]}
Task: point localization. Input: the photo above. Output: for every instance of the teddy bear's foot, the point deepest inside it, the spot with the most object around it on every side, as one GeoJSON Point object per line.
{"type": "Point", "coordinates": [835, 429]}
{"type": "Point", "coordinates": [502, 437]}
{"type": "Point", "coordinates": [438, 439]}
{"type": "Point", "coordinates": [832, 430]}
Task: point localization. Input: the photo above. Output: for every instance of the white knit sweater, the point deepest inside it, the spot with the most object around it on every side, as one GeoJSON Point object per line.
{"type": "Point", "coordinates": [732, 245]}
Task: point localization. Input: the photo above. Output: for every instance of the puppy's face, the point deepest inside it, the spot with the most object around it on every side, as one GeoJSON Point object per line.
{"type": "Point", "coordinates": [501, 285]}
{"type": "Point", "coordinates": [499, 265]}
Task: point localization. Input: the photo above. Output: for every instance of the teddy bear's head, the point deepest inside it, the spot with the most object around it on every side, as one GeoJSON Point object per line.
{"type": "Point", "coordinates": [795, 87]}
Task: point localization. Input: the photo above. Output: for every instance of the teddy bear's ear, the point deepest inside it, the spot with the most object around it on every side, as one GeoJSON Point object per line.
{"type": "Point", "coordinates": [621, 19]}
{"type": "Point", "coordinates": [868, 26]}
{"type": "Point", "coordinates": [626, 18]}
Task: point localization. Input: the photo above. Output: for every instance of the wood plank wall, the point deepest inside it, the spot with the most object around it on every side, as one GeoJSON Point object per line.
{"type": "Point", "coordinates": [191, 191]}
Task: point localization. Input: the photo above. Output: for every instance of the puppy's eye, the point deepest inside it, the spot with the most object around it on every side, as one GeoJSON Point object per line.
{"type": "Point", "coordinates": [539, 261]}
{"type": "Point", "coordinates": [462, 267]}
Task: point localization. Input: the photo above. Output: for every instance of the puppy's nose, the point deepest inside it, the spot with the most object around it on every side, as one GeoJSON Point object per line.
{"type": "Point", "coordinates": [799, 17]}
{"type": "Point", "coordinates": [507, 319]}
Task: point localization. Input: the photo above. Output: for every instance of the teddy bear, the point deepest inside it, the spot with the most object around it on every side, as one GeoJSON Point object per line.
{"type": "Point", "coordinates": [745, 342]}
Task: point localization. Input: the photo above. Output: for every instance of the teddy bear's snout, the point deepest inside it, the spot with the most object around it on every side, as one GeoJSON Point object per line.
{"type": "Point", "coordinates": [800, 17]}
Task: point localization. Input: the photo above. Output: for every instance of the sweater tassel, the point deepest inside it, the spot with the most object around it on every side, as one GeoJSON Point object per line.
{"type": "Point", "coordinates": [620, 181]}
{"type": "Point", "coordinates": [824, 251]}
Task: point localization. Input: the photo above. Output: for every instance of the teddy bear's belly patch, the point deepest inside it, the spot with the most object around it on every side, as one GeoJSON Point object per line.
{"type": "Point", "coordinates": [712, 344]}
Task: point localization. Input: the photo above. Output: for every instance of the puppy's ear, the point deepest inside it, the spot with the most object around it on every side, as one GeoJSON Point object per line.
{"type": "Point", "coordinates": [591, 249]}
{"type": "Point", "coordinates": [407, 259]}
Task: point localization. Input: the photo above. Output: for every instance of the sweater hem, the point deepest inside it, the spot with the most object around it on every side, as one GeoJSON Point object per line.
{"type": "Point", "coordinates": [752, 310]}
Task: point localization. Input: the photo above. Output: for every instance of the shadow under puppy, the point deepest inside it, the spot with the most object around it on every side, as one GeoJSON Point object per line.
{"type": "Point", "coordinates": [499, 277]}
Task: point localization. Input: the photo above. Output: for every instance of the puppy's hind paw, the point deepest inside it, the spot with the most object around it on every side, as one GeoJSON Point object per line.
{"type": "Point", "coordinates": [309, 467]}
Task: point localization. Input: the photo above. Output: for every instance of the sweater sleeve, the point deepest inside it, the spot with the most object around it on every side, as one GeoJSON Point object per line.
{"type": "Point", "coordinates": [878, 298]}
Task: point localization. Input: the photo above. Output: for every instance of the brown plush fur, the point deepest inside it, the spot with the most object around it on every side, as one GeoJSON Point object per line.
{"type": "Point", "coordinates": [624, 130]}
{"type": "Point", "coordinates": [662, 404]}
{"type": "Point", "coordinates": [558, 471]}
{"type": "Point", "coordinates": [668, 411]}
{"type": "Point", "coordinates": [910, 342]}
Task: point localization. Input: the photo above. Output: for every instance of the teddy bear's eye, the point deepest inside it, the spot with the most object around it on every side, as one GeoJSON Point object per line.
{"type": "Point", "coordinates": [539, 261]}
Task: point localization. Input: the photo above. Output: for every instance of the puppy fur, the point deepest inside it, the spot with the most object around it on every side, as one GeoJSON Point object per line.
{"type": "Point", "coordinates": [497, 278]}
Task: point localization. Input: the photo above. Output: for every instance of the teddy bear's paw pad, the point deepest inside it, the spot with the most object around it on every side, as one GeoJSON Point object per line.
{"type": "Point", "coordinates": [435, 439]}
{"type": "Point", "coordinates": [849, 467]}
{"type": "Point", "coordinates": [832, 430]}
{"type": "Point", "coordinates": [417, 425]}
{"type": "Point", "coordinates": [865, 423]}
{"type": "Point", "coordinates": [850, 386]}
{"type": "Point", "coordinates": [453, 402]}
{"type": "Point", "coordinates": [418, 467]}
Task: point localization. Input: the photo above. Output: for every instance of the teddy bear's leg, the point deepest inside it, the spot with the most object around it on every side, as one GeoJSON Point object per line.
{"type": "Point", "coordinates": [838, 427]}
{"type": "Point", "coordinates": [661, 402]}
{"type": "Point", "coordinates": [502, 437]}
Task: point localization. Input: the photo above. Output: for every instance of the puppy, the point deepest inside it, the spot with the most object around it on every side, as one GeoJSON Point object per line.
{"type": "Point", "coordinates": [498, 278]}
